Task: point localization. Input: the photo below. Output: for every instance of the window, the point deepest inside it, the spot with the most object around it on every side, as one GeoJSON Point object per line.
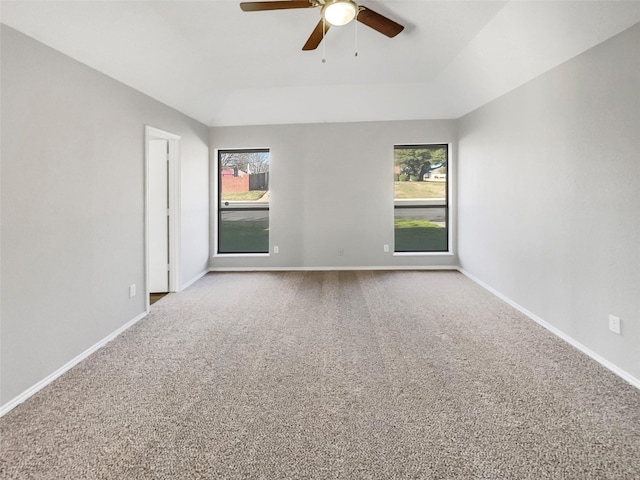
{"type": "Point", "coordinates": [243, 201]}
{"type": "Point", "coordinates": [421, 209]}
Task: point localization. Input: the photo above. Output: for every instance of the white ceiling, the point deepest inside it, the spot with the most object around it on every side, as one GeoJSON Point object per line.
{"type": "Point", "coordinates": [222, 66]}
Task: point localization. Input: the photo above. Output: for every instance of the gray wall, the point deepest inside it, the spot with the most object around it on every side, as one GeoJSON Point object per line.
{"type": "Point", "coordinates": [331, 188]}
{"type": "Point", "coordinates": [549, 197]}
{"type": "Point", "coordinates": [72, 197]}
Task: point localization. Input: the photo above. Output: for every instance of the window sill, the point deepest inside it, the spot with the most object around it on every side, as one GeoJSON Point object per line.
{"type": "Point", "coordinates": [243, 255]}
{"type": "Point", "coordinates": [423, 254]}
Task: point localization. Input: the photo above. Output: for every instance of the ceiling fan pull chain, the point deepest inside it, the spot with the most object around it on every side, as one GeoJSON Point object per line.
{"type": "Point", "coordinates": [324, 29]}
{"type": "Point", "coordinates": [356, 54]}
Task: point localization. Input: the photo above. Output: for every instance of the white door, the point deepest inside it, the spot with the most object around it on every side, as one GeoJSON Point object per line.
{"type": "Point", "coordinates": [158, 216]}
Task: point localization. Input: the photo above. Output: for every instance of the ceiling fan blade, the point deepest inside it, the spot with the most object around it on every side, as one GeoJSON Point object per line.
{"type": "Point", "coordinates": [378, 22]}
{"type": "Point", "coordinates": [278, 5]}
{"type": "Point", "coordinates": [317, 35]}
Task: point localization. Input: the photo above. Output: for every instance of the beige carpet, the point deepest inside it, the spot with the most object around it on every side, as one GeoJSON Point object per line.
{"type": "Point", "coordinates": [329, 375]}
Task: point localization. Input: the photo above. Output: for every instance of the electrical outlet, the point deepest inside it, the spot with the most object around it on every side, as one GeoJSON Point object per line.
{"type": "Point", "coordinates": [614, 324]}
{"type": "Point", "coordinates": [276, 249]}
{"type": "Point", "coordinates": [132, 291]}
{"type": "Point", "coordinates": [340, 252]}
{"type": "Point", "coordinates": [385, 248]}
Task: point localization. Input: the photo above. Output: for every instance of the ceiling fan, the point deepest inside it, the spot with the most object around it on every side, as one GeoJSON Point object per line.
{"type": "Point", "coordinates": [334, 13]}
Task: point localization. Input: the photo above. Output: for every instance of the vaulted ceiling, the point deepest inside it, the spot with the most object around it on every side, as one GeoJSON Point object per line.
{"type": "Point", "coordinates": [222, 66]}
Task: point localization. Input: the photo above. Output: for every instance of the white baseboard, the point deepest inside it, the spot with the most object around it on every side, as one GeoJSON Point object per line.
{"type": "Point", "coordinates": [559, 333]}
{"type": "Point", "coordinates": [194, 280]}
{"type": "Point", "coordinates": [11, 404]}
{"type": "Point", "coordinates": [322, 269]}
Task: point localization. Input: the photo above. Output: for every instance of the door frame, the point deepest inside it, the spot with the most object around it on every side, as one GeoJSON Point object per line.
{"type": "Point", "coordinates": [173, 141]}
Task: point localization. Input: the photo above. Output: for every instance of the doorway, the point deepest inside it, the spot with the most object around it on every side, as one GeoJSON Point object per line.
{"type": "Point", "coordinates": [161, 212]}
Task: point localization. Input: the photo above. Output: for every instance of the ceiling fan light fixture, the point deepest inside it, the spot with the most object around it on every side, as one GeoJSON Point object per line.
{"type": "Point", "coordinates": [339, 12]}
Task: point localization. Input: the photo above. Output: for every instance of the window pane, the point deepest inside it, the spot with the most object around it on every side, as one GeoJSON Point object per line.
{"type": "Point", "coordinates": [243, 225]}
{"type": "Point", "coordinates": [420, 229]}
{"type": "Point", "coordinates": [420, 198]}
{"type": "Point", "coordinates": [244, 231]}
